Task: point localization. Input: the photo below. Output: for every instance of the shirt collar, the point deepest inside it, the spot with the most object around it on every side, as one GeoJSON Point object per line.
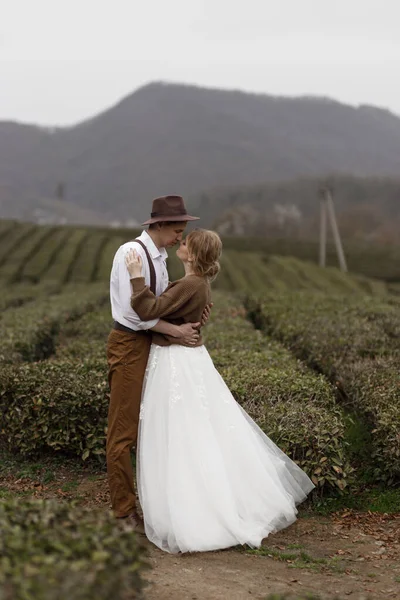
{"type": "Point", "coordinates": [151, 247]}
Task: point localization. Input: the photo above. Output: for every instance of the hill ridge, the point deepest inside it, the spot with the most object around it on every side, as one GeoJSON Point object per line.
{"type": "Point", "coordinates": [183, 138]}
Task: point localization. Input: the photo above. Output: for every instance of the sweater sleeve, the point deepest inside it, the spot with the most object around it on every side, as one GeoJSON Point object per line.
{"type": "Point", "coordinates": [148, 306]}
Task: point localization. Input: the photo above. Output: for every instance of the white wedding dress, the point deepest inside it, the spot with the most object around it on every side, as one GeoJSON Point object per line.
{"type": "Point", "coordinates": [207, 475]}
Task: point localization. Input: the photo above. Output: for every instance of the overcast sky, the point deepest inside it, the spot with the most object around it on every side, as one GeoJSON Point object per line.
{"type": "Point", "coordinates": [62, 61]}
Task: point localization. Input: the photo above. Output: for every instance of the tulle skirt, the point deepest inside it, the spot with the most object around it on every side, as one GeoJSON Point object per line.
{"type": "Point", "coordinates": [207, 475]}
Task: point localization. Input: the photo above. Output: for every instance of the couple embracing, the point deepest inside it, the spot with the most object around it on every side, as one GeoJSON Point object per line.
{"type": "Point", "coordinates": [207, 476]}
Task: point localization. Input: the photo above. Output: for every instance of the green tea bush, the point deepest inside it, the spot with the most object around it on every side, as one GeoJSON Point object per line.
{"type": "Point", "coordinates": [35, 267]}
{"type": "Point", "coordinates": [51, 551]}
{"type": "Point", "coordinates": [86, 263]}
{"type": "Point", "coordinates": [18, 258]}
{"type": "Point", "coordinates": [63, 402]}
{"type": "Point", "coordinates": [356, 343]}
{"type": "Point", "coordinates": [372, 260]}
{"type": "Point", "coordinates": [85, 339]}
{"type": "Point", "coordinates": [60, 267]}
{"type": "Point", "coordinates": [13, 239]}
{"type": "Point", "coordinates": [294, 406]}
{"type": "Point", "coordinates": [16, 295]}
{"type": "Point", "coordinates": [107, 257]}
{"type": "Point", "coordinates": [28, 333]}
{"type": "Point", "coordinates": [57, 406]}
{"type": "Point", "coordinates": [253, 272]}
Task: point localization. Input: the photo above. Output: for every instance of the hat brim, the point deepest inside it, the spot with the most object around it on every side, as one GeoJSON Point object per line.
{"type": "Point", "coordinates": [174, 218]}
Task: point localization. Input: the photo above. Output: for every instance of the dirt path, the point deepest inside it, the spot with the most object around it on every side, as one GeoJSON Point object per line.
{"type": "Point", "coordinates": [349, 554]}
{"type": "Point", "coordinates": [334, 559]}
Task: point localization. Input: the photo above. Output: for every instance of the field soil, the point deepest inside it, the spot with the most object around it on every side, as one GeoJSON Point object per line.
{"type": "Point", "coordinates": [346, 554]}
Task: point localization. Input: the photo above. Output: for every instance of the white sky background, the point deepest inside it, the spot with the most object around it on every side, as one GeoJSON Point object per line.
{"type": "Point", "coordinates": [62, 61]}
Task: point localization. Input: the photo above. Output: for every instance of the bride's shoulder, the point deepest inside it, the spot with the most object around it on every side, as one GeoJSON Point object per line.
{"type": "Point", "coordinates": [192, 283]}
{"type": "Point", "coordinates": [196, 281]}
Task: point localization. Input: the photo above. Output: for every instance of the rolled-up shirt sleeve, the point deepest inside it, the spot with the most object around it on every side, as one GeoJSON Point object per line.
{"type": "Point", "coordinates": [124, 288]}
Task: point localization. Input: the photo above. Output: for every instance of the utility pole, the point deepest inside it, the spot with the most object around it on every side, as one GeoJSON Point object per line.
{"type": "Point", "coordinates": [328, 211]}
{"type": "Point", "coordinates": [322, 231]}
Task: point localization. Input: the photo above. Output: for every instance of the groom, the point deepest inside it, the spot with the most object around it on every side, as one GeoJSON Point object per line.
{"type": "Point", "coordinates": [128, 345]}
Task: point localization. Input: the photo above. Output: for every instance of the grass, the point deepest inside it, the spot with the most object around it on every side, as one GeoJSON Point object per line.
{"type": "Point", "coordinates": [378, 499]}
{"type": "Point", "coordinates": [46, 469]}
{"type": "Point", "coordinates": [70, 486]}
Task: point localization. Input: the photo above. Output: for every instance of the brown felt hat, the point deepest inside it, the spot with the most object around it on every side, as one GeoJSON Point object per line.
{"type": "Point", "coordinates": [169, 208]}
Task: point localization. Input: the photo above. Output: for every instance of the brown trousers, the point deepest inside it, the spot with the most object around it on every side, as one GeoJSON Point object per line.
{"type": "Point", "coordinates": [127, 355]}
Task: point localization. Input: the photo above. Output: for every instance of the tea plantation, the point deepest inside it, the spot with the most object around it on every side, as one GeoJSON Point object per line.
{"type": "Point", "coordinates": [311, 354]}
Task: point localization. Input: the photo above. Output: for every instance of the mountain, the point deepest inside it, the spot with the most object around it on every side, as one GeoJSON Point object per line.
{"type": "Point", "coordinates": [169, 138]}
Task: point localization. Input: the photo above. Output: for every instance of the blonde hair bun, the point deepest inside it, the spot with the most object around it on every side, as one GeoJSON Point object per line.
{"type": "Point", "coordinates": [205, 248]}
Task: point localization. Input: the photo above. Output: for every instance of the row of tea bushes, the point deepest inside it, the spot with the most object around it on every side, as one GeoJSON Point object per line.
{"type": "Point", "coordinates": [293, 406]}
{"type": "Point", "coordinates": [253, 272]}
{"type": "Point", "coordinates": [12, 237]}
{"type": "Point", "coordinates": [28, 333]}
{"type": "Point", "coordinates": [23, 252]}
{"type": "Point", "coordinates": [38, 263]}
{"type": "Point", "coordinates": [33, 253]}
{"type": "Point", "coordinates": [380, 261]}
{"type": "Point", "coordinates": [85, 339]}
{"type": "Point", "coordinates": [51, 551]}
{"type": "Point", "coordinates": [355, 342]}
{"type": "Point", "coordinates": [56, 406]}
{"type": "Point", "coordinates": [63, 402]}
{"type": "Point", "coordinates": [85, 266]}
{"type": "Point", "coordinates": [16, 295]}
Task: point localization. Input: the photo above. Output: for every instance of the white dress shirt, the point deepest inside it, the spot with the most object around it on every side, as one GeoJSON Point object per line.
{"type": "Point", "coordinates": [120, 285]}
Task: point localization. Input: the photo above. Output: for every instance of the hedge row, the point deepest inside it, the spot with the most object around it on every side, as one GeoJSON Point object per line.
{"type": "Point", "coordinates": [24, 252]}
{"type": "Point", "coordinates": [356, 343]}
{"type": "Point", "coordinates": [54, 405]}
{"type": "Point", "coordinates": [252, 272]}
{"type": "Point", "coordinates": [294, 406]}
{"type": "Point", "coordinates": [377, 260]}
{"type": "Point", "coordinates": [28, 333]}
{"type": "Point", "coordinates": [60, 267]}
{"type": "Point", "coordinates": [13, 296]}
{"type": "Point", "coordinates": [85, 339]}
{"type": "Point", "coordinates": [56, 551]}
{"type": "Point", "coordinates": [372, 260]}
{"type": "Point", "coordinates": [13, 239]}
{"type": "Point", "coordinates": [86, 263]}
{"type": "Point", "coordinates": [107, 256]}
{"type": "Point", "coordinates": [34, 268]}
{"type": "Point", "coordinates": [63, 402]}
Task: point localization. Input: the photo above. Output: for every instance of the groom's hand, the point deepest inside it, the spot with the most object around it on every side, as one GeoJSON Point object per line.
{"type": "Point", "coordinates": [206, 314]}
{"type": "Point", "coordinates": [188, 334]}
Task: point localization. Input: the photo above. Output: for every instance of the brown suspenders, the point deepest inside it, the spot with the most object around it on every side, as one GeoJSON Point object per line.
{"type": "Point", "coordinates": [151, 267]}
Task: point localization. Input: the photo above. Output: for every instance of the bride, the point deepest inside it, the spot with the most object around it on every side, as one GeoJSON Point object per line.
{"type": "Point", "coordinates": [207, 475]}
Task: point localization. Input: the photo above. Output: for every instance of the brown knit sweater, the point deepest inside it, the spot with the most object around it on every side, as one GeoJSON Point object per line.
{"type": "Point", "coordinates": [182, 302]}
